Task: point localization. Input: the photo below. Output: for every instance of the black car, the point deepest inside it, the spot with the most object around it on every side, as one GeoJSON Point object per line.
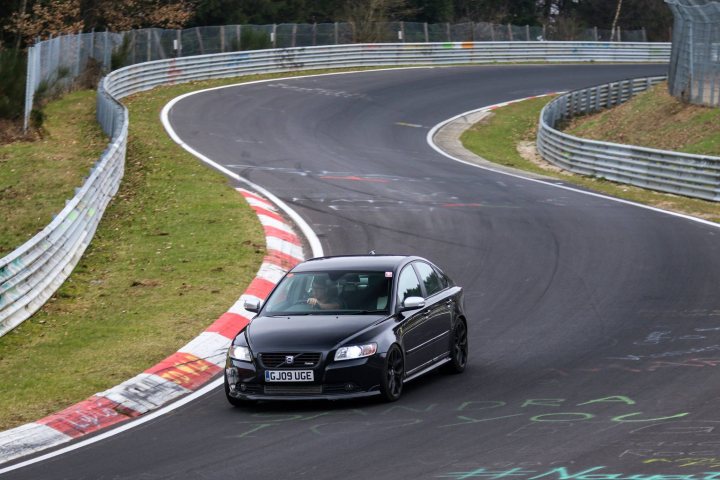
{"type": "Point", "coordinates": [351, 326]}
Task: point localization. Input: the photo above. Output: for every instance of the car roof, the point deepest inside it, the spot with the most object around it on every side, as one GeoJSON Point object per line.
{"type": "Point", "coordinates": [354, 262]}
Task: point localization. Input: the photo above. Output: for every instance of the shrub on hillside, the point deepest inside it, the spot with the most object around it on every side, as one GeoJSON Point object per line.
{"type": "Point", "coordinates": [12, 83]}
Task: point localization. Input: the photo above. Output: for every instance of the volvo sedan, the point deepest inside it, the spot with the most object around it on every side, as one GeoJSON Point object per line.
{"type": "Point", "coordinates": [346, 327]}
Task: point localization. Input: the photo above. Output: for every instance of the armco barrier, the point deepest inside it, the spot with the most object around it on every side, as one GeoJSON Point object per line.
{"type": "Point", "coordinates": [33, 272]}
{"type": "Point", "coordinates": [684, 174]}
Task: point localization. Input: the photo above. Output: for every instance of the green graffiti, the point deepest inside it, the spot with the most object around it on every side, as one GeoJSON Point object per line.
{"type": "Point", "coordinates": [622, 418]}
{"type": "Point", "coordinates": [613, 399]}
{"type": "Point", "coordinates": [578, 417]}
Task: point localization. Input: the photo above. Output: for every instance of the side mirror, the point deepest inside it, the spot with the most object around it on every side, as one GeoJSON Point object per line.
{"type": "Point", "coordinates": [252, 305]}
{"type": "Point", "coordinates": [412, 303]}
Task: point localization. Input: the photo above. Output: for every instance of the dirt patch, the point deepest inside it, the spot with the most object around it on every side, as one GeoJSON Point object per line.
{"type": "Point", "coordinates": [528, 151]}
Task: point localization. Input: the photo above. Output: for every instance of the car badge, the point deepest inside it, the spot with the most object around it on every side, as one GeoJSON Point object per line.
{"type": "Point", "coordinates": [289, 359]}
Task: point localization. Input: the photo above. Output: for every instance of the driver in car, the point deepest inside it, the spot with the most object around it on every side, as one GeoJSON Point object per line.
{"type": "Point", "coordinates": [323, 296]}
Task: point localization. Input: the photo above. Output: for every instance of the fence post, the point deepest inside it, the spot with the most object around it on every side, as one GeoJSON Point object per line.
{"type": "Point", "coordinates": [238, 36]}
{"type": "Point", "coordinates": [510, 32]}
{"type": "Point", "coordinates": [336, 33]}
{"type": "Point", "coordinates": [132, 41]}
{"type": "Point", "coordinates": [294, 35]}
{"type": "Point", "coordinates": [527, 32]}
{"type": "Point", "coordinates": [29, 86]}
{"type": "Point", "coordinates": [92, 43]}
{"type": "Point", "coordinates": [78, 44]}
{"type": "Point", "coordinates": [595, 34]}
{"type": "Point", "coordinates": [619, 34]}
{"type": "Point", "coordinates": [149, 44]}
{"type": "Point", "coordinates": [106, 51]}
{"type": "Point", "coordinates": [273, 35]}
{"type": "Point", "coordinates": [222, 38]}
{"type": "Point", "coordinates": [644, 34]}
{"type": "Point", "coordinates": [492, 32]}
{"type": "Point", "coordinates": [447, 26]}
{"type": "Point", "coordinates": [200, 42]}
{"type": "Point", "coordinates": [314, 34]}
{"type": "Point", "coordinates": [544, 34]}
{"type": "Point", "coordinates": [178, 53]}
{"type": "Point", "coordinates": [472, 31]}
{"type": "Point", "coordinates": [425, 29]}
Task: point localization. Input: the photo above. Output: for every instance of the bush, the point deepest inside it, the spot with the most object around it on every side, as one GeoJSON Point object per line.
{"type": "Point", "coordinates": [252, 40]}
{"type": "Point", "coordinates": [13, 66]}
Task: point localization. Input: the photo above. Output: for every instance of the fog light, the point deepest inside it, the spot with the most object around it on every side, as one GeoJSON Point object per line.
{"type": "Point", "coordinates": [243, 387]}
{"type": "Point", "coordinates": [232, 376]}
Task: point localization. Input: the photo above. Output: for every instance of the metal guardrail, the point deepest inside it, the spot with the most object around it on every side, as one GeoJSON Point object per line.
{"type": "Point", "coordinates": [33, 272]}
{"type": "Point", "coordinates": [667, 171]}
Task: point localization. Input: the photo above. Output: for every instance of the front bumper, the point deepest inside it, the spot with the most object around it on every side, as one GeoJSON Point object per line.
{"type": "Point", "coordinates": [333, 381]}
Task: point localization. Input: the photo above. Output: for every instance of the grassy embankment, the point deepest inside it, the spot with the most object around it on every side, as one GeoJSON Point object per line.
{"type": "Point", "coordinates": [653, 119]}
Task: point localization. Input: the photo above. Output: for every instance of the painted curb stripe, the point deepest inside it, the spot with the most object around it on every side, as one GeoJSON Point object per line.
{"type": "Point", "coordinates": [268, 213]}
{"type": "Point", "coordinates": [88, 416]}
{"type": "Point", "coordinates": [144, 392]}
{"type": "Point", "coordinates": [185, 369]}
{"type": "Point", "coordinates": [29, 438]}
{"type": "Point", "coordinates": [271, 222]}
{"type": "Point", "coordinates": [229, 324]}
{"type": "Point", "coordinates": [281, 234]}
{"type": "Point", "coordinates": [260, 288]}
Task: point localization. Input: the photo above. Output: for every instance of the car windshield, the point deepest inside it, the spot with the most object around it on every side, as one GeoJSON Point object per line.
{"type": "Point", "coordinates": [337, 292]}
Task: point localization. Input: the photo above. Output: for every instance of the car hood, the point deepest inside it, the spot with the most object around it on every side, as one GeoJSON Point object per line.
{"type": "Point", "coordinates": [316, 332]}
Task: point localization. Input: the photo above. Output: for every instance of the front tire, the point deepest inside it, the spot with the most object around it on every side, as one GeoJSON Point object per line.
{"type": "Point", "coordinates": [459, 348]}
{"type": "Point", "coordinates": [391, 383]}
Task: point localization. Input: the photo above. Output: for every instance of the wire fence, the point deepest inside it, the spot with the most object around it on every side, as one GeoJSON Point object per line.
{"type": "Point", "coordinates": [58, 63]}
{"type": "Point", "coordinates": [695, 62]}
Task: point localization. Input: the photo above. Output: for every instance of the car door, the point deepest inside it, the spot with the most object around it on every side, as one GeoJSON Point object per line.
{"type": "Point", "coordinates": [415, 330]}
{"type": "Point", "coordinates": [439, 303]}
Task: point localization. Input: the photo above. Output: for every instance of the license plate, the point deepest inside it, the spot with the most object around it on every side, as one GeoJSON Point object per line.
{"type": "Point", "coordinates": [289, 376]}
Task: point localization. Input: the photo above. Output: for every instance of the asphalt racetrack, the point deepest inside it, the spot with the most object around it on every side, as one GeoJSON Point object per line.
{"type": "Point", "coordinates": [594, 325]}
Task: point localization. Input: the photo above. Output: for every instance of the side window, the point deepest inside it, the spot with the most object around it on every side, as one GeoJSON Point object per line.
{"type": "Point", "coordinates": [408, 285]}
{"type": "Point", "coordinates": [429, 277]}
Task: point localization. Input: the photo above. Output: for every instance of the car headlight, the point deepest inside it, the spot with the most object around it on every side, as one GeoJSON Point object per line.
{"type": "Point", "coordinates": [240, 353]}
{"type": "Point", "coordinates": [355, 351]}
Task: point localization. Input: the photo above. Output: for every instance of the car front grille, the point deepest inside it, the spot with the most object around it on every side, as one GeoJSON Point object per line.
{"type": "Point", "coordinates": [300, 360]}
{"type": "Point", "coordinates": [293, 389]}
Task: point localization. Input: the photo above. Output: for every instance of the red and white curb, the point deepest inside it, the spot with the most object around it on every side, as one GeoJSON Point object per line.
{"type": "Point", "coordinates": [183, 372]}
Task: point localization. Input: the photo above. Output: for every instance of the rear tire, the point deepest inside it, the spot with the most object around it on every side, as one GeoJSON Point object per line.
{"type": "Point", "coordinates": [458, 349]}
{"type": "Point", "coordinates": [391, 383]}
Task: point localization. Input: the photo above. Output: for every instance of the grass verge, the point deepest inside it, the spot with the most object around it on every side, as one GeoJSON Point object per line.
{"type": "Point", "coordinates": [498, 138]}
